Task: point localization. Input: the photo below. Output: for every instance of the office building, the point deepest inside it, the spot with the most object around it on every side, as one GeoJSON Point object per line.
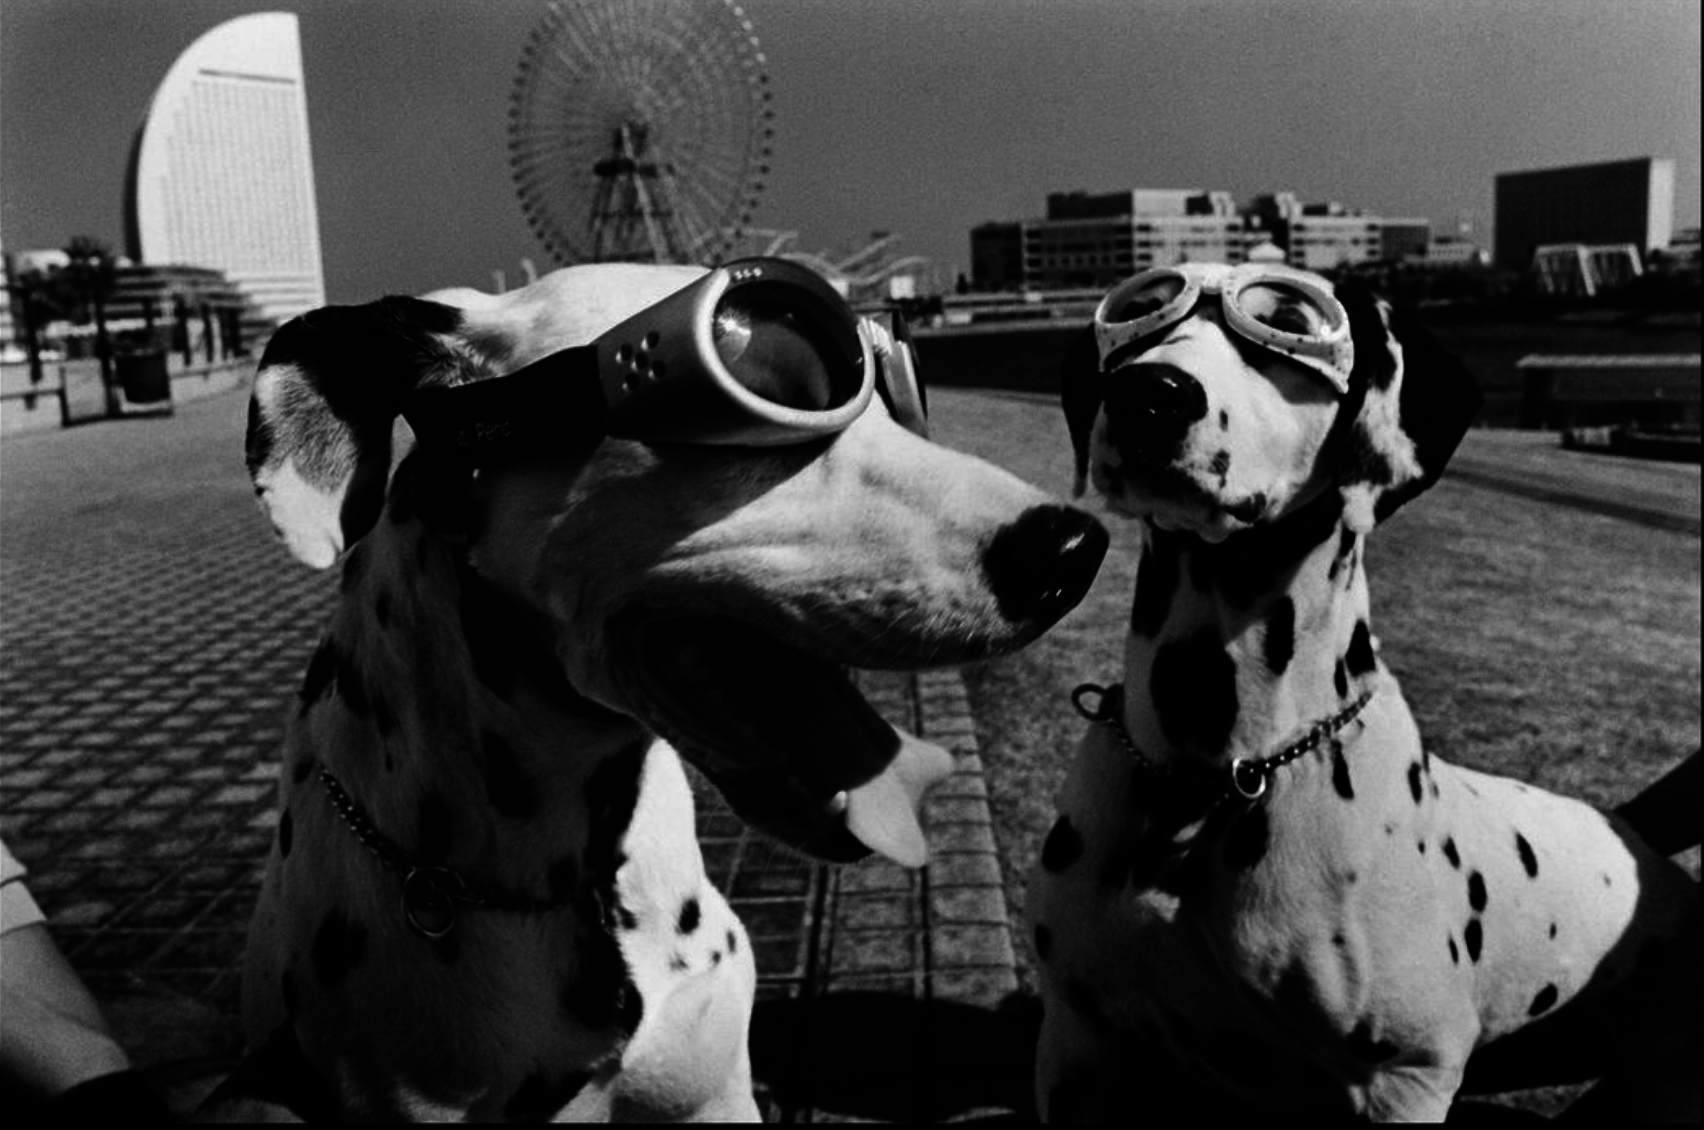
{"type": "Point", "coordinates": [1093, 240]}
{"type": "Point", "coordinates": [1616, 202]}
{"type": "Point", "coordinates": [221, 174]}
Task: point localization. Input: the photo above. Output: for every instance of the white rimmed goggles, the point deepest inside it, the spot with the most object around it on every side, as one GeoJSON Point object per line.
{"type": "Point", "coordinates": [759, 352]}
{"type": "Point", "coordinates": [1279, 308]}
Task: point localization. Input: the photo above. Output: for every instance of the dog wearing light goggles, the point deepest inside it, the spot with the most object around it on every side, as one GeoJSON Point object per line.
{"type": "Point", "coordinates": [648, 509]}
{"type": "Point", "coordinates": [1262, 892]}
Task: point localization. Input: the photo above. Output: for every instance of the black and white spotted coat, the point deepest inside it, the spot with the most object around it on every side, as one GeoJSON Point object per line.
{"type": "Point", "coordinates": [440, 709]}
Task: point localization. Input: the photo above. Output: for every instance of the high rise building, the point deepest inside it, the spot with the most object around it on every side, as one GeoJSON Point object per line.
{"type": "Point", "coordinates": [1614, 202]}
{"type": "Point", "coordinates": [221, 173]}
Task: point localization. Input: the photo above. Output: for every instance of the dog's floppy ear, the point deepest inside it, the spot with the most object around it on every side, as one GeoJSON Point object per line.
{"type": "Point", "coordinates": [329, 388]}
{"type": "Point", "coordinates": [1080, 395]}
{"type": "Point", "coordinates": [1410, 404]}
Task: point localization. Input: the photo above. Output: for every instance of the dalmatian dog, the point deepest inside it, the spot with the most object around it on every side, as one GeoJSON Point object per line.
{"type": "Point", "coordinates": [486, 899]}
{"type": "Point", "coordinates": [1261, 891]}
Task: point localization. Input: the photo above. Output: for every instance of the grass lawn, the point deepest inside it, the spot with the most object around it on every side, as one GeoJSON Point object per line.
{"type": "Point", "coordinates": [1532, 639]}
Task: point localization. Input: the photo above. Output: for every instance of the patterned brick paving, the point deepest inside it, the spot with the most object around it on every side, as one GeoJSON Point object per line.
{"type": "Point", "coordinates": [151, 634]}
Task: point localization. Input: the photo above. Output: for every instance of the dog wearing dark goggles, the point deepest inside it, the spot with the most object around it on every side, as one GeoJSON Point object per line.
{"type": "Point", "coordinates": [1262, 892]}
{"type": "Point", "coordinates": [649, 509]}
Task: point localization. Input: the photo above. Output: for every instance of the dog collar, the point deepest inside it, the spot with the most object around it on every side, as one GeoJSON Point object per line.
{"type": "Point", "coordinates": [1246, 777]}
{"type": "Point", "coordinates": [429, 892]}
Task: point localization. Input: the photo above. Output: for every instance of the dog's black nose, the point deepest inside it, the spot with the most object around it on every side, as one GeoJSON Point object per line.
{"type": "Point", "coordinates": [1150, 406]}
{"type": "Point", "coordinates": [1041, 565]}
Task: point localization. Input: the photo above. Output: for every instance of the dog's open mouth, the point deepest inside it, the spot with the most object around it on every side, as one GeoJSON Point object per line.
{"type": "Point", "coordinates": [784, 735]}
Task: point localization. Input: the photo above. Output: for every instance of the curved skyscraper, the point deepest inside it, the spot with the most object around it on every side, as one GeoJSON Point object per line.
{"type": "Point", "coordinates": [222, 174]}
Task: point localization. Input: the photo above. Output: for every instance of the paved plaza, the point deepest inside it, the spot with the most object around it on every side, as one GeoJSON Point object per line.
{"type": "Point", "coordinates": [152, 633]}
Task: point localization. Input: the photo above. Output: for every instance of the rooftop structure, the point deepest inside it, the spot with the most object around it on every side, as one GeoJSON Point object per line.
{"type": "Point", "coordinates": [221, 174]}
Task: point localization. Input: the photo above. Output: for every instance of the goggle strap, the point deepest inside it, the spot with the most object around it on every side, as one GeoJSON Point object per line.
{"type": "Point", "coordinates": [556, 400]}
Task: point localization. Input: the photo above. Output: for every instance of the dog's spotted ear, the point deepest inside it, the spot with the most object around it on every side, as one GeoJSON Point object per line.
{"type": "Point", "coordinates": [1410, 404]}
{"type": "Point", "coordinates": [328, 391]}
{"type": "Point", "coordinates": [1080, 395]}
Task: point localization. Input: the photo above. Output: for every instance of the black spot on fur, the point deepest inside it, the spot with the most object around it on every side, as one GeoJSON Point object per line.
{"type": "Point", "coordinates": [1476, 896]}
{"type": "Point", "coordinates": [506, 786]}
{"type": "Point", "coordinates": [1345, 546]}
{"type": "Point", "coordinates": [633, 1006]}
{"type": "Point", "coordinates": [1529, 860]}
{"type": "Point", "coordinates": [563, 878]}
{"type": "Point", "coordinates": [1257, 561]}
{"type": "Point", "coordinates": [1474, 936]}
{"type": "Point", "coordinates": [1340, 772]}
{"type": "Point", "coordinates": [322, 668]}
{"type": "Point", "coordinates": [353, 567]}
{"type": "Point", "coordinates": [1414, 787]}
{"type": "Point", "coordinates": [1043, 942]}
{"type": "Point", "coordinates": [612, 789]}
{"type": "Point", "coordinates": [539, 1097]}
{"type": "Point", "coordinates": [288, 993]}
{"type": "Point", "coordinates": [1360, 655]}
{"type": "Point", "coordinates": [1606, 879]}
{"type": "Point", "coordinates": [1420, 846]}
{"type": "Point", "coordinates": [1220, 467]}
{"type": "Point", "coordinates": [1365, 1048]}
{"type": "Point", "coordinates": [625, 918]}
{"type": "Point", "coordinates": [733, 943]}
{"type": "Point", "coordinates": [1224, 420]}
{"type": "Point", "coordinates": [689, 917]}
{"type": "Point", "coordinates": [257, 441]}
{"type": "Point", "coordinates": [1157, 579]}
{"type": "Point", "coordinates": [434, 828]}
{"type": "Point", "coordinates": [1279, 643]}
{"type": "Point", "coordinates": [506, 642]}
{"type": "Point", "coordinates": [338, 946]}
{"type": "Point", "coordinates": [384, 719]}
{"type": "Point", "coordinates": [1455, 954]}
{"type": "Point", "coordinates": [1063, 846]}
{"type": "Point", "coordinates": [1544, 1001]}
{"type": "Point", "coordinates": [382, 608]}
{"type": "Point", "coordinates": [1083, 1001]}
{"type": "Point", "coordinates": [1340, 680]}
{"type": "Point", "coordinates": [599, 993]}
{"type": "Point", "coordinates": [352, 687]}
{"type": "Point", "coordinates": [1553, 929]}
{"type": "Point", "coordinates": [1245, 843]}
{"type": "Point", "coordinates": [286, 834]}
{"type": "Point", "coordinates": [1193, 687]}
{"type": "Point", "coordinates": [1450, 852]}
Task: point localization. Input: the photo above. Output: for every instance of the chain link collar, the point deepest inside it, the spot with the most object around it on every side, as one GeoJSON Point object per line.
{"type": "Point", "coordinates": [1246, 777]}
{"type": "Point", "coordinates": [429, 892]}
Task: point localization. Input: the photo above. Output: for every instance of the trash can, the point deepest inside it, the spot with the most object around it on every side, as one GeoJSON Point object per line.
{"type": "Point", "coordinates": [143, 377]}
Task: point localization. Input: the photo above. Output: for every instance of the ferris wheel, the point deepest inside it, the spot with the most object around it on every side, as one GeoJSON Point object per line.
{"type": "Point", "coordinates": [641, 130]}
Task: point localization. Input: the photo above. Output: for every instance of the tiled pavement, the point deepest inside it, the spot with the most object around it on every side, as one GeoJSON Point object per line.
{"type": "Point", "coordinates": [151, 633]}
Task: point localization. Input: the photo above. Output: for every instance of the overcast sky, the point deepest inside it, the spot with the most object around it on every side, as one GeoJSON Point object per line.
{"type": "Point", "coordinates": [920, 116]}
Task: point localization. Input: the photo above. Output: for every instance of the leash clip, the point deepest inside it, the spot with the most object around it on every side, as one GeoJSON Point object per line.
{"type": "Point", "coordinates": [429, 897]}
{"type": "Point", "coordinates": [1248, 777]}
{"type": "Point", "coordinates": [1106, 709]}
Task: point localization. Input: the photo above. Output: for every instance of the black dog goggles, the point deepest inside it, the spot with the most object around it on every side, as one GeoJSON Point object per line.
{"type": "Point", "coordinates": [1281, 308]}
{"type": "Point", "coordinates": [760, 352]}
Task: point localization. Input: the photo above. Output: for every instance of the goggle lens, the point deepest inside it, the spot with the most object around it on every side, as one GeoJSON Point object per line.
{"type": "Point", "coordinates": [1285, 308]}
{"type": "Point", "coordinates": [1149, 298]}
{"type": "Point", "coordinates": [774, 353]}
